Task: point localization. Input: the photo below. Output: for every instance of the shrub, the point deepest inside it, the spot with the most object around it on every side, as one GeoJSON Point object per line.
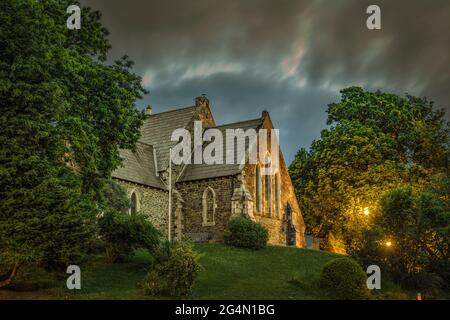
{"type": "Point", "coordinates": [343, 278]}
{"type": "Point", "coordinates": [417, 223]}
{"type": "Point", "coordinates": [124, 233]}
{"type": "Point", "coordinates": [244, 233]}
{"type": "Point", "coordinates": [441, 268]}
{"type": "Point", "coordinates": [174, 271]}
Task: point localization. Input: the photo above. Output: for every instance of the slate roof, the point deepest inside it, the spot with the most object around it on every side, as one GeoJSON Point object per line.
{"type": "Point", "coordinates": [205, 171]}
{"type": "Point", "coordinates": [139, 167]}
{"type": "Point", "coordinates": [157, 131]}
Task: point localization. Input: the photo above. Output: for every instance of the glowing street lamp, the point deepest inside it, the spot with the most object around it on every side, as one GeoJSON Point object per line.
{"type": "Point", "coordinates": [388, 243]}
{"type": "Point", "coordinates": [366, 211]}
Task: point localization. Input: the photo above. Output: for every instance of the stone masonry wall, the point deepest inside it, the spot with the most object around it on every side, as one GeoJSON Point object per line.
{"type": "Point", "coordinates": [276, 222]}
{"type": "Point", "coordinates": [192, 220]}
{"type": "Point", "coordinates": [151, 202]}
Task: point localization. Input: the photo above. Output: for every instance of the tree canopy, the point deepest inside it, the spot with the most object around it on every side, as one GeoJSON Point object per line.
{"type": "Point", "coordinates": [65, 112]}
{"type": "Point", "coordinates": [375, 142]}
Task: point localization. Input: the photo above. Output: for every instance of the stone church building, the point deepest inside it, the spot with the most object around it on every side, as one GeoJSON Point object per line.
{"type": "Point", "coordinates": [205, 197]}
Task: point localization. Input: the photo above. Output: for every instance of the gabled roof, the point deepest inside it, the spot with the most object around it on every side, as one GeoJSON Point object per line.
{"type": "Point", "coordinates": [205, 171]}
{"type": "Point", "coordinates": [157, 131]}
{"type": "Point", "coordinates": [152, 150]}
{"type": "Point", "coordinates": [139, 166]}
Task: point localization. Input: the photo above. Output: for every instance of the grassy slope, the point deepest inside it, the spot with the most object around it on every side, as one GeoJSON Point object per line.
{"type": "Point", "coordinates": [232, 273]}
{"type": "Point", "coordinates": [229, 273]}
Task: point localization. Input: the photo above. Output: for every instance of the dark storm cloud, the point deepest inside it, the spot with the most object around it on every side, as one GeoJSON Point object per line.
{"type": "Point", "coordinates": [288, 57]}
{"type": "Point", "coordinates": [298, 113]}
{"type": "Point", "coordinates": [410, 53]}
{"type": "Point", "coordinates": [160, 31]}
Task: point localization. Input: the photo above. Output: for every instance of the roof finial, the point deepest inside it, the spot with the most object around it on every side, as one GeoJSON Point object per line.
{"type": "Point", "coordinates": [202, 100]}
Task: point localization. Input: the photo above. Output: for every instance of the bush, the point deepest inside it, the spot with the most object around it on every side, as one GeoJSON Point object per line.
{"type": "Point", "coordinates": [244, 233]}
{"type": "Point", "coordinates": [442, 269]}
{"type": "Point", "coordinates": [417, 223]}
{"type": "Point", "coordinates": [343, 278]}
{"type": "Point", "coordinates": [124, 233]}
{"type": "Point", "coordinates": [175, 269]}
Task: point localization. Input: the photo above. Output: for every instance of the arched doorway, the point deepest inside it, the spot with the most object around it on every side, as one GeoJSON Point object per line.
{"type": "Point", "coordinates": [290, 228]}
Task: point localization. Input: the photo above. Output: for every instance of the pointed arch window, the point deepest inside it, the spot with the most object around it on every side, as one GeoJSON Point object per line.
{"type": "Point", "coordinates": [268, 186]}
{"type": "Point", "coordinates": [258, 186]}
{"type": "Point", "coordinates": [209, 207]}
{"type": "Point", "coordinates": [268, 193]}
{"type": "Point", "coordinates": [134, 203]}
{"type": "Point", "coordinates": [277, 194]}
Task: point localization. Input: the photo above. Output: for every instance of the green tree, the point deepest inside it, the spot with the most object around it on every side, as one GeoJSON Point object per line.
{"type": "Point", "coordinates": [410, 238]}
{"type": "Point", "coordinates": [65, 113]}
{"type": "Point", "coordinates": [375, 141]}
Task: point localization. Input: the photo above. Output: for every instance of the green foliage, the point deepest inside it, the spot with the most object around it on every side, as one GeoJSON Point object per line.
{"type": "Point", "coordinates": [114, 196]}
{"type": "Point", "coordinates": [49, 225]}
{"type": "Point", "coordinates": [417, 225]}
{"type": "Point", "coordinates": [174, 271]}
{"type": "Point", "coordinates": [65, 113]}
{"type": "Point", "coordinates": [244, 233]}
{"type": "Point", "coordinates": [376, 141]}
{"type": "Point", "coordinates": [125, 233]}
{"type": "Point", "coordinates": [343, 278]}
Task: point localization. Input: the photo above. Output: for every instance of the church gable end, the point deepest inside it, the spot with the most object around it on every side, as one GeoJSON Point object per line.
{"type": "Point", "coordinates": [205, 197]}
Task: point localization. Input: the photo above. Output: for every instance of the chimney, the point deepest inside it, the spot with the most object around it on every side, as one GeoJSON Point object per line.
{"type": "Point", "coordinates": [202, 100]}
{"type": "Point", "coordinates": [148, 110]}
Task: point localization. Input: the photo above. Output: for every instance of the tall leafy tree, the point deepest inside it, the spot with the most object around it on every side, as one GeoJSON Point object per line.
{"type": "Point", "coordinates": [375, 141]}
{"type": "Point", "coordinates": [65, 112]}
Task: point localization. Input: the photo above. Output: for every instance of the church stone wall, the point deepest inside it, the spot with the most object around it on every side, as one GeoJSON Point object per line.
{"type": "Point", "coordinates": [151, 202]}
{"type": "Point", "coordinates": [276, 222]}
{"type": "Point", "coordinates": [288, 196]}
{"type": "Point", "coordinates": [192, 195]}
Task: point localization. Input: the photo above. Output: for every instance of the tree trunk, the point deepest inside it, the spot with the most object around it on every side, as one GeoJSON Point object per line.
{"type": "Point", "coordinates": [7, 278]}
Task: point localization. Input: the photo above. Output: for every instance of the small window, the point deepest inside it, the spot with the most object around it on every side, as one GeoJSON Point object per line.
{"type": "Point", "coordinates": [134, 203]}
{"type": "Point", "coordinates": [209, 207]}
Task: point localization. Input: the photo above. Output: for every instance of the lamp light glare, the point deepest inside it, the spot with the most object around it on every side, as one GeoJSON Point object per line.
{"type": "Point", "coordinates": [366, 211]}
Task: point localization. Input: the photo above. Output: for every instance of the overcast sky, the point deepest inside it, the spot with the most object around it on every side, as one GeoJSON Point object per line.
{"type": "Point", "coordinates": [288, 57]}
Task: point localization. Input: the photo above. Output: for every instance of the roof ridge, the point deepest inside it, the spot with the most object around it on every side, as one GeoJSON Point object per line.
{"type": "Point", "coordinates": [227, 124]}
{"type": "Point", "coordinates": [155, 114]}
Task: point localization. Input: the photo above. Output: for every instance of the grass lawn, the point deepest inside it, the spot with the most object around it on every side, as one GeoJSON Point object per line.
{"type": "Point", "coordinates": [229, 273]}
{"type": "Point", "coordinates": [232, 273]}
